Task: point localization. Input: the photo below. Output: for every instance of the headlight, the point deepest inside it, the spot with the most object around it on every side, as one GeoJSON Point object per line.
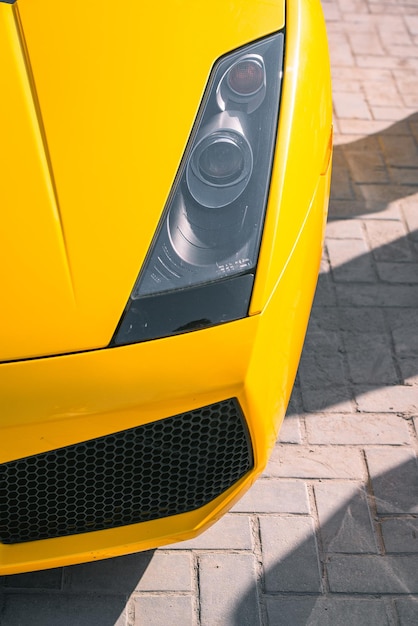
{"type": "Point", "coordinates": [200, 267]}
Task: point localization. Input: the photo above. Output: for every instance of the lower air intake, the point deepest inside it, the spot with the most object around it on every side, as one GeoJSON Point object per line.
{"type": "Point", "coordinates": [145, 473]}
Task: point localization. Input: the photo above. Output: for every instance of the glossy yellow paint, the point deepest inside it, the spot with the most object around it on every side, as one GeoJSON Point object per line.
{"type": "Point", "coordinates": [303, 148]}
{"type": "Point", "coordinates": [53, 402]}
{"type": "Point", "coordinates": [112, 93]}
{"type": "Point", "coordinates": [30, 220]}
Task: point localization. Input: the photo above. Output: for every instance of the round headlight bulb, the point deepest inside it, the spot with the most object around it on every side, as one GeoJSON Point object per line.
{"type": "Point", "coordinates": [246, 77]}
{"type": "Point", "coordinates": [219, 168]}
{"type": "Point", "coordinates": [221, 162]}
{"type": "Point", "coordinates": [243, 86]}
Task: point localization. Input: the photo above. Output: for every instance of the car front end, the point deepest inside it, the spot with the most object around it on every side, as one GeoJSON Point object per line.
{"type": "Point", "coordinates": [166, 177]}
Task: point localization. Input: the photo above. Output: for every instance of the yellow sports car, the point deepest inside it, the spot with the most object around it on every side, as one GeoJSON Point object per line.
{"type": "Point", "coordinates": [164, 184]}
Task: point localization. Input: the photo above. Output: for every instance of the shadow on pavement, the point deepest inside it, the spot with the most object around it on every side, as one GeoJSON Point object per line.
{"type": "Point", "coordinates": [91, 594]}
{"type": "Point", "coordinates": [362, 333]}
{"type": "Point", "coordinates": [360, 568]}
{"type": "Point", "coordinates": [371, 172]}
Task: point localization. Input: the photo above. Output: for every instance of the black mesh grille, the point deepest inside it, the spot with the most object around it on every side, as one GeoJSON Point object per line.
{"type": "Point", "coordinates": [164, 468]}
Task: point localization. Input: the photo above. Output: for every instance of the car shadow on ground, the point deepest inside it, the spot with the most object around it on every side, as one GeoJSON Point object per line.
{"type": "Point", "coordinates": [97, 593]}
{"type": "Point", "coordinates": [372, 172]}
{"type": "Point", "coordinates": [362, 332]}
{"type": "Point", "coordinates": [90, 594]}
{"type": "Point", "coordinates": [360, 567]}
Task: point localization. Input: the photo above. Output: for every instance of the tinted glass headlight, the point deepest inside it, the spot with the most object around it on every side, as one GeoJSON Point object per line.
{"type": "Point", "coordinates": [200, 267]}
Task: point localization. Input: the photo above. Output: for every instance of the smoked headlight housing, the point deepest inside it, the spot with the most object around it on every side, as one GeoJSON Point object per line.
{"type": "Point", "coordinates": [200, 268]}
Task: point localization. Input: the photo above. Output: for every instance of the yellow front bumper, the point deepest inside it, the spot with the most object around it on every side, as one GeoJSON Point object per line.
{"type": "Point", "coordinates": [55, 402]}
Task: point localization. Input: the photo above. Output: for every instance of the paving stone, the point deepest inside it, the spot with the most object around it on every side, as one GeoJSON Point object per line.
{"type": "Point", "coordinates": [347, 208]}
{"type": "Point", "coordinates": [319, 368]}
{"type": "Point", "coordinates": [409, 370]}
{"type": "Point", "coordinates": [325, 611]}
{"type": "Point", "coordinates": [351, 261]}
{"type": "Point", "coordinates": [394, 475]}
{"type": "Point", "coordinates": [404, 326]}
{"type": "Point", "coordinates": [409, 208]}
{"type": "Point", "coordinates": [321, 339]}
{"type": "Point", "coordinates": [344, 229]}
{"type": "Point", "coordinates": [407, 50]}
{"type": "Point", "coordinates": [331, 11]}
{"type": "Point", "coordinates": [46, 579]}
{"type": "Point", "coordinates": [232, 532]}
{"type": "Point", "coordinates": [118, 575]}
{"type": "Point", "coordinates": [350, 105]}
{"type": "Point", "coordinates": [392, 399]}
{"type": "Point", "coordinates": [356, 320]}
{"type": "Point", "coordinates": [145, 571]}
{"type": "Point", "coordinates": [388, 240]}
{"type": "Point", "coordinates": [324, 321]}
{"type": "Point", "coordinates": [382, 209]}
{"type": "Point", "coordinates": [363, 127]}
{"type": "Point", "coordinates": [391, 114]}
{"type": "Point", "coordinates": [163, 610]}
{"type": "Point", "coordinates": [404, 175]}
{"type": "Point", "coordinates": [357, 143]}
{"type": "Point", "coordinates": [290, 430]}
{"type": "Point", "coordinates": [400, 152]}
{"type": "Point", "coordinates": [385, 62]}
{"type": "Point", "coordinates": [331, 397]}
{"type": "Point", "coordinates": [370, 358]}
{"type": "Point", "coordinates": [342, 184]}
{"type": "Point", "coordinates": [275, 496]}
{"type": "Point", "coordinates": [382, 295]}
{"type": "Point", "coordinates": [357, 429]}
{"type": "Point", "coordinates": [295, 404]}
{"type": "Point", "coordinates": [398, 272]}
{"type": "Point", "coordinates": [384, 193]}
{"type": "Point", "coordinates": [400, 535]}
{"type": "Point", "coordinates": [228, 589]}
{"type": "Point", "coordinates": [290, 556]}
{"type": "Point", "coordinates": [397, 33]}
{"type": "Point", "coordinates": [410, 101]}
{"type": "Point", "coordinates": [382, 94]}
{"type": "Point", "coordinates": [366, 43]}
{"type": "Point", "coordinates": [341, 55]}
{"type": "Point", "coordinates": [344, 516]}
{"type": "Point", "coordinates": [412, 25]}
{"type": "Point", "coordinates": [367, 167]}
{"type": "Point", "coordinates": [341, 85]}
{"type": "Point", "coordinates": [369, 574]}
{"type": "Point", "coordinates": [168, 571]}
{"type": "Point", "coordinates": [63, 610]}
{"type": "Point", "coordinates": [325, 294]}
{"type": "Point", "coordinates": [407, 610]}
{"type": "Point", "coordinates": [406, 82]}
{"type": "Point", "coordinates": [316, 462]}
{"type": "Point", "coordinates": [364, 75]}
{"type": "Point", "coordinates": [322, 375]}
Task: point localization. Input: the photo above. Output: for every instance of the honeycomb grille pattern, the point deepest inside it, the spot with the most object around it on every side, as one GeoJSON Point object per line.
{"type": "Point", "coordinates": [156, 470]}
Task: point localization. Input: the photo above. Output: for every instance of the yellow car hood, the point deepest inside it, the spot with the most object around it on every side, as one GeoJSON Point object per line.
{"type": "Point", "coordinates": [98, 100]}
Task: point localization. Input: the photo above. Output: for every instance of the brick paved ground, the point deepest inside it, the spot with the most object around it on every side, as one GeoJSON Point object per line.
{"type": "Point", "coordinates": [329, 535]}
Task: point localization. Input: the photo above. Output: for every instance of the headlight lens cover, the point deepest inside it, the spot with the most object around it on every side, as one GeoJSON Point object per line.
{"type": "Point", "coordinates": [200, 267]}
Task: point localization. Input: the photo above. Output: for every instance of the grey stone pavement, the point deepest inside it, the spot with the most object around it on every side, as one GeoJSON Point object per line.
{"type": "Point", "coordinates": [329, 535]}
